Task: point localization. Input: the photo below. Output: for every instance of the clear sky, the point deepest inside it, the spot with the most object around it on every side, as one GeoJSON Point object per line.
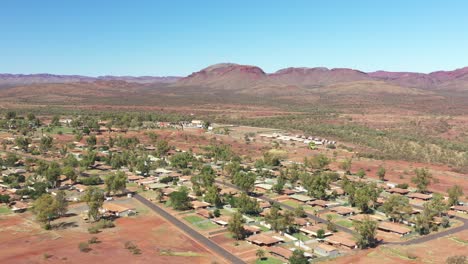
{"type": "Point", "coordinates": [177, 37]}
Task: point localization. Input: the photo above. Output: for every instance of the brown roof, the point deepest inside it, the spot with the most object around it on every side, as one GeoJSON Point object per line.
{"type": "Point", "coordinates": [342, 210]}
{"type": "Point", "coordinates": [262, 239]}
{"type": "Point", "coordinates": [398, 190]}
{"type": "Point", "coordinates": [392, 227]}
{"type": "Point", "coordinates": [360, 217]}
{"type": "Point", "coordinates": [203, 212]}
{"type": "Point", "coordinates": [282, 252]}
{"type": "Point", "coordinates": [251, 229]}
{"type": "Point", "coordinates": [321, 203]}
{"type": "Point", "coordinates": [420, 196]}
{"type": "Point", "coordinates": [341, 240]}
{"type": "Point", "coordinates": [327, 248]}
{"type": "Point", "coordinates": [113, 207]}
{"type": "Point", "coordinates": [198, 204]}
{"type": "Point", "coordinates": [301, 221]}
{"type": "Point", "coordinates": [463, 208]}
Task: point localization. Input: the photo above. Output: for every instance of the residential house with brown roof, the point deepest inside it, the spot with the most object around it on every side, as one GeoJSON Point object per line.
{"type": "Point", "coordinates": [263, 240]}
{"type": "Point", "coordinates": [394, 228]}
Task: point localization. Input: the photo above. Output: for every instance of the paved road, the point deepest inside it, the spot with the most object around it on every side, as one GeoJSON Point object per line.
{"type": "Point", "coordinates": [188, 230]}
{"type": "Point", "coordinates": [429, 237]}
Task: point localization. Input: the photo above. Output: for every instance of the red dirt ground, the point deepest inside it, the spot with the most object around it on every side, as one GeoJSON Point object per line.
{"type": "Point", "coordinates": [25, 242]}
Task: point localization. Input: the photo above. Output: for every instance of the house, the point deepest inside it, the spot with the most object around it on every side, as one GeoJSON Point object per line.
{"type": "Point", "coordinates": [289, 191]}
{"type": "Point", "coordinates": [197, 205]}
{"type": "Point", "coordinates": [460, 208]}
{"type": "Point", "coordinates": [321, 203]}
{"type": "Point", "coordinates": [203, 212]}
{"type": "Point", "coordinates": [263, 187]}
{"type": "Point", "coordinates": [325, 250]}
{"type": "Point", "coordinates": [284, 253]}
{"type": "Point", "coordinates": [19, 207]}
{"type": "Point", "coordinates": [398, 191]}
{"type": "Point", "coordinates": [419, 196]}
{"type": "Point", "coordinates": [342, 210]}
{"type": "Point", "coordinates": [301, 221]}
{"type": "Point", "coordinates": [264, 205]}
{"type": "Point", "coordinates": [156, 185]}
{"type": "Point", "coordinates": [338, 240]}
{"type": "Point", "coordinates": [312, 230]}
{"type": "Point", "coordinates": [394, 228]}
{"type": "Point", "coordinates": [361, 217]}
{"type": "Point", "coordinates": [251, 229]}
{"type": "Point", "coordinates": [222, 220]}
{"type": "Point", "coordinates": [134, 178]}
{"type": "Point", "coordinates": [117, 209]}
{"type": "Point", "coordinates": [301, 198]}
{"type": "Point", "coordinates": [263, 240]}
{"type": "Point", "coordinates": [80, 187]}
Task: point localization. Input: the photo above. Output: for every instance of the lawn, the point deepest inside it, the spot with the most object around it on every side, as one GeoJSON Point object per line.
{"type": "Point", "coordinates": [301, 237]}
{"type": "Point", "coordinates": [4, 210]}
{"type": "Point", "coordinates": [269, 260]}
{"type": "Point", "coordinates": [193, 219]}
{"type": "Point", "coordinates": [200, 222]}
{"type": "Point", "coordinates": [345, 223]}
{"type": "Point", "coordinates": [291, 203]}
{"type": "Point", "coordinates": [56, 130]}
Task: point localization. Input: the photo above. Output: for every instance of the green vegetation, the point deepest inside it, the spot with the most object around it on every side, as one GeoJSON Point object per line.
{"type": "Point", "coordinates": [268, 260]}
{"type": "Point", "coordinates": [4, 210]}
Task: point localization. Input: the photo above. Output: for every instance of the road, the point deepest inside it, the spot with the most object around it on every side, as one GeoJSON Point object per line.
{"type": "Point", "coordinates": [189, 231]}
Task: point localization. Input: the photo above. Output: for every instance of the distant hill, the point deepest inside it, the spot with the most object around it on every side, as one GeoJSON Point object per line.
{"type": "Point", "coordinates": [25, 79]}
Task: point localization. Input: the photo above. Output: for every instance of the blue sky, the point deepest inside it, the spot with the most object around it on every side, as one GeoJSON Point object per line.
{"type": "Point", "coordinates": [177, 37]}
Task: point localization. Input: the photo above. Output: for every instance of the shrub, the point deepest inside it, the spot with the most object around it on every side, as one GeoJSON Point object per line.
{"type": "Point", "coordinates": [93, 230]}
{"type": "Point", "coordinates": [84, 247]}
{"type": "Point", "coordinates": [103, 223]}
{"type": "Point", "coordinates": [93, 240]}
{"type": "Point", "coordinates": [132, 248]}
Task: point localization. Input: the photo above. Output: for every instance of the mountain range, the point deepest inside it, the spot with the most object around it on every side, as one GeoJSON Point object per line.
{"type": "Point", "coordinates": [229, 83]}
{"type": "Point", "coordinates": [235, 76]}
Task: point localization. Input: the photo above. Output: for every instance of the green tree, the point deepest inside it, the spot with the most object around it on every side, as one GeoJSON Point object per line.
{"type": "Point", "coordinates": [116, 182]}
{"type": "Point", "coordinates": [381, 173]}
{"type": "Point", "coordinates": [55, 121]}
{"type": "Point", "coordinates": [45, 209]}
{"type": "Point", "coordinates": [397, 208]}
{"type": "Point", "coordinates": [300, 212]}
{"type": "Point", "coordinates": [61, 203]}
{"type": "Point", "coordinates": [236, 226]}
{"type": "Point", "coordinates": [422, 179]}
{"type": "Point", "coordinates": [162, 147]}
{"type": "Point", "coordinates": [331, 226]}
{"type": "Point", "coordinates": [247, 205]}
{"type": "Point", "coordinates": [454, 193]}
{"type": "Point", "coordinates": [436, 206]}
{"type": "Point", "coordinates": [46, 143]}
{"type": "Point", "coordinates": [366, 232]}
{"type": "Point", "coordinates": [180, 199]}
{"type": "Point", "coordinates": [10, 115]}
{"type": "Point", "coordinates": [361, 173]}
{"type": "Point", "coordinates": [212, 196]}
{"type": "Point", "coordinates": [316, 185]}
{"type": "Point", "coordinates": [52, 173]}
{"type": "Point", "coordinates": [245, 181]}
{"type": "Point", "coordinates": [94, 198]}
{"type": "Point", "coordinates": [260, 254]}
{"type": "Point", "coordinates": [318, 162]}
{"type": "Point", "coordinates": [70, 173]}
{"type": "Point", "coordinates": [346, 165]}
{"type": "Point", "coordinates": [298, 257]}
{"type": "Point", "coordinates": [23, 143]}
{"type": "Point", "coordinates": [366, 196]}
{"type": "Point", "coordinates": [280, 182]}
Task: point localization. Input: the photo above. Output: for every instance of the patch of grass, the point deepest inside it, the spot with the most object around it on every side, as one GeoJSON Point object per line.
{"type": "Point", "coordinates": [269, 260]}
{"type": "Point", "coordinates": [301, 237]}
{"type": "Point", "coordinates": [193, 219]}
{"type": "Point", "coordinates": [291, 203]}
{"type": "Point", "coordinates": [4, 210]}
{"type": "Point", "coordinates": [403, 255]}
{"type": "Point", "coordinates": [345, 223]}
{"type": "Point", "coordinates": [200, 222]}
